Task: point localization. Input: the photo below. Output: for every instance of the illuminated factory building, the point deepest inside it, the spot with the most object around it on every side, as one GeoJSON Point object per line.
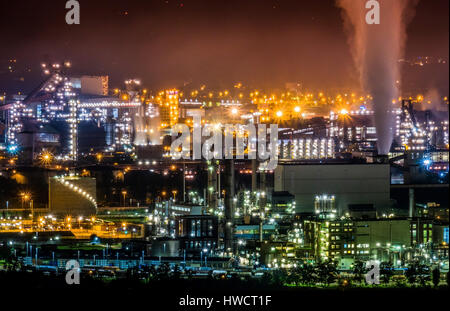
{"type": "Point", "coordinates": [91, 118]}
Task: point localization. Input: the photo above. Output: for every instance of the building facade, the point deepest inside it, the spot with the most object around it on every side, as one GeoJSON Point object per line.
{"type": "Point", "coordinates": [351, 184]}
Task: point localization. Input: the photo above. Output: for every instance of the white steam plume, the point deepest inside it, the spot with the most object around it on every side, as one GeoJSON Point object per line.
{"type": "Point", "coordinates": [376, 50]}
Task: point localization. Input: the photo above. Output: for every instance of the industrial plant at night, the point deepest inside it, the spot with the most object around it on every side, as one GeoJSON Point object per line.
{"type": "Point", "coordinates": [325, 166]}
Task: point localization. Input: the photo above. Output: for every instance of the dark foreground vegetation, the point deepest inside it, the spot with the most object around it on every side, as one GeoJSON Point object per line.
{"type": "Point", "coordinates": [27, 288]}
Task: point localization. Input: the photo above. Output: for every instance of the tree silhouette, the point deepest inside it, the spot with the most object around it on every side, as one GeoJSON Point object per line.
{"type": "Point", "coordinates": [163, 273]}
{"type": "Point", "coordinates": [411, 274]}
{"type": "Point", "coordinates": [7, 254]}
{"type": "Point", "coordinates": [359, 270]}
{"type": "Point", "coordinates": [423, 275]}
{"type": "Point", "coordinates": [293, 276]}
{"type": "Point", "coordinates": [326, 272]}
{"type": "Point", "coordinates": [176, 274]}
{"type": "Point", "coordinates": [279, 277]}
{"type": "Point", "coordinates": [436, 276]}
{"type": "Point", "coordinates": [386, 271]}
{"type": "Point", "coordinates": [307, 274]}
{"type": "Point", "coordinates": [189, 274]}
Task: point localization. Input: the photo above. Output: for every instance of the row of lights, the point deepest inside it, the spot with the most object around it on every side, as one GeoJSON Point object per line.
{"type": "Point", "coordinates": [77, 189]}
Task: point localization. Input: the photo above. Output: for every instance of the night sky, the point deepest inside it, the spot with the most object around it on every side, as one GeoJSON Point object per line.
{"type": "Point", "coordinates": [216, 42]}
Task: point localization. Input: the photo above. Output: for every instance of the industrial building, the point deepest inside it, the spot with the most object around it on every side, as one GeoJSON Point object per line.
{"type": "Point", "coordinates": [197, 233]}
{"type": "Point", "coordinates": [350, 184]}
{"type": "Point", "coordinates": [390, 240]}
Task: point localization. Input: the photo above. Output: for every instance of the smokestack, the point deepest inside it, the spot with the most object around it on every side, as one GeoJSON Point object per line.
{"type": "Point", "coordinates": [376, 50]}
{"type": "Point", "coordinates": [229, 205]}
{"type": "Point", "coordinates": [254, 175]}
{"type": "Point", "coordinates": [212, 186]}
{"type": "Point", "coordinates": [262, 204]}
{"type": "Point", "coordinates": [412, 202]}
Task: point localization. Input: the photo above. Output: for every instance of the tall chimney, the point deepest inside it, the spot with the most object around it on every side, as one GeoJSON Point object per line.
{"type": "Point", "coordinates": [412, 202]}
{"type": "Point", "coordinates": [254, 175]}
{"type": "Point", "coordinates": [229, 206]}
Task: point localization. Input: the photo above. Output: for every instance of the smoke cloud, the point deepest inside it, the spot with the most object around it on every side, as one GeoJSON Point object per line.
{"type": "Point", "coordinates": [433, 101]}
{"type": "Point", "coordinates": [376, 50]}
